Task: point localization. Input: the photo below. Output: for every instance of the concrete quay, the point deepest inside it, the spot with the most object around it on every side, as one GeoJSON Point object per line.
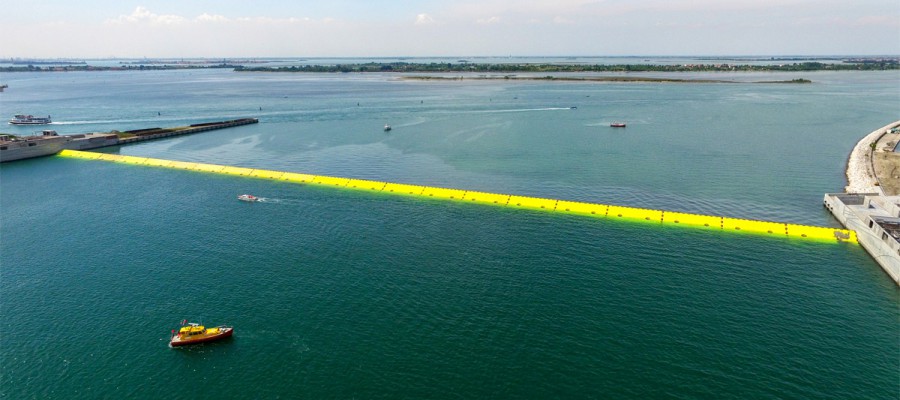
{"type": "Point", "coordinates": [49, 142]}
{"type": "Point", "coordinates": [871, 204]}
{"type": "Point", "coordinates": [141, 135]}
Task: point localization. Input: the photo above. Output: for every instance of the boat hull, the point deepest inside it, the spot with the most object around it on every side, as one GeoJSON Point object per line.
{"type": "Point", "coordinates": [225, 333]}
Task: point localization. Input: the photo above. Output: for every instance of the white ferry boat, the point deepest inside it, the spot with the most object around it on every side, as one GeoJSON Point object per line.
{"type": "Point", "coordinates": [23, 119]}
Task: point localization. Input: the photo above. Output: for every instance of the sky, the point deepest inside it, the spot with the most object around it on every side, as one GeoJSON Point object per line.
{"type": "Point", "coordinates": [434, 28]}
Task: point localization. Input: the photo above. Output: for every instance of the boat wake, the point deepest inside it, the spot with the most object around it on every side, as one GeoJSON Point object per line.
{"type": "Point", "coordinates": [295, 202]}
{"type": "Point", "coordinates": [514, 110]}
{"type": "Point", "coordinates": [153, 119]}
{"type": "Point", "coordinates": [271, 200]}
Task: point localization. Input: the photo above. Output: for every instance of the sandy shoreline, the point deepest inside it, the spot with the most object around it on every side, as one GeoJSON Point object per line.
{"type": "Point", "coordinates": [860, 173]}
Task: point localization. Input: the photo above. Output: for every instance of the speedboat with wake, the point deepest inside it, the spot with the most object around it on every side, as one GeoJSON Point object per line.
{"type": "Point", "coordinates": [248, 198]}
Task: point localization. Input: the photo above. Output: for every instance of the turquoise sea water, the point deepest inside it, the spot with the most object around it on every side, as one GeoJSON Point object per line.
{"type": "Point", "coordinates": [340, 294]}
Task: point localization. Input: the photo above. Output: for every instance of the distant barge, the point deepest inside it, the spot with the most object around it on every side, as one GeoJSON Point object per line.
{"type": "Point", "coordinates": [49, 142]}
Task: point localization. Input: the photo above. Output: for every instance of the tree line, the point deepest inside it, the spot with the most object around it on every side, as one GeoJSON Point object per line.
{"type": "Point", "coordinates": [541, 68]}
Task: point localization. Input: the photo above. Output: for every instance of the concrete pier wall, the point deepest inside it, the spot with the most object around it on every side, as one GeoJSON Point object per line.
{"type": "Point", "coordinates": [871, 205]}
{"type": "Point", "coordinates": [876, 221]}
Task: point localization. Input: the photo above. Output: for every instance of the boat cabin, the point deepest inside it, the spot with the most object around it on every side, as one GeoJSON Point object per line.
{"type": "Point", "coordinates": [191, 329]}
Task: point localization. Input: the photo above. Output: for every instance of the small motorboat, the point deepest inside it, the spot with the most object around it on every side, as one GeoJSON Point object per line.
{"type": "Point", "coordinates": [194, 333]}
{"type": "Point", "coordinates": [248, 197]}
{"type": "Point", "coordinates": [387, 127]}
{"type": "Point", "coordinates": [617, 124]}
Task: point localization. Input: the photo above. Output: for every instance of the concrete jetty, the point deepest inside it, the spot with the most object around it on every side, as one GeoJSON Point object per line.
{"type": "Point", "coordinates": [50, 142]}
{"type": "Point", "coordinates": [141, 135]}
{"type": "Point", "coordinates": [871, 204]}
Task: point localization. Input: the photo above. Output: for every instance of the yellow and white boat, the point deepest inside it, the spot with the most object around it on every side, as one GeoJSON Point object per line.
{"type": "Point", "coordinates": [194, 333]}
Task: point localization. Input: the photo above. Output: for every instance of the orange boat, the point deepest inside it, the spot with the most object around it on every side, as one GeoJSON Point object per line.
{"type": "Point", "coordinates": [193, 333]}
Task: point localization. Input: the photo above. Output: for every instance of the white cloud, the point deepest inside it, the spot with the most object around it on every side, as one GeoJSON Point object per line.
{"type": "Point", "coordinates": [143, 15]}
{"type": "Point", "coordinates": [262, 21]}
{"type": "Point", "coordinates": [489, 20]}
{"type": "Point", "coordinates": [211, 18]}
{"type": "Point", "coordinates": [424, 19]}
{"type": "Point", "coordinates": [476, 27]}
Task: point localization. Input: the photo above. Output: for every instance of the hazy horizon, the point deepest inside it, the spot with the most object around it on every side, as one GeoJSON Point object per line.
{"type": "Point", "coordinates": [105, 29]}
{"type": "Point", "coordinates": [469, 58]}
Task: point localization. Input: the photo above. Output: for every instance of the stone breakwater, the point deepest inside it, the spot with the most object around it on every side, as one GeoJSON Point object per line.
{"type": "Point", "coordinates": [861, 176]}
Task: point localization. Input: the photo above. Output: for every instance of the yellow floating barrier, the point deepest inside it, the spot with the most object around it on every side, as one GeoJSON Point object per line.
{"type": "Point", "coordinates": [331, 181]}
{"type": "Point", "coordinates": [295, 177]}
{"type": "Point", "coordinates": [403, 189]}
{"type": "Point", "coordinates": [746, 225]}
{"type": "Point", "coordinates": [240, 171]}
{"type": "Point", "coordinates": [152, 162]}
{"type": "Point", "coordinates": [364, 184]}
{"type": "Point", "coordinates": [109, 157]}
{"type": "Point", "coordinates": [532, 202]}
{"type": "Point", "coordinates": [820, 233]}
{"type": "Point", "coordinates": [266, 174]}
{"type": "Point", "coordinates": [133, 160]}
{"type": "Point", "coordinates": [490, 198]}
{"type": "Point", "coordinates": [452, 194]}
{"type": "Point", "coordinates": [635, 213]}
{"type": "Point", "coordinates": [209, 168]}
{"type": "Point", "coordinates": [805, 232]}
{"type": "Point", "coordinates": [582, 208]}
{"type": "Point", "coordinates": [88, 155]}
{"type": "Point", "coordinates": [182, 165]}
{"type": "Point", "coordinates": [706, 221]}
